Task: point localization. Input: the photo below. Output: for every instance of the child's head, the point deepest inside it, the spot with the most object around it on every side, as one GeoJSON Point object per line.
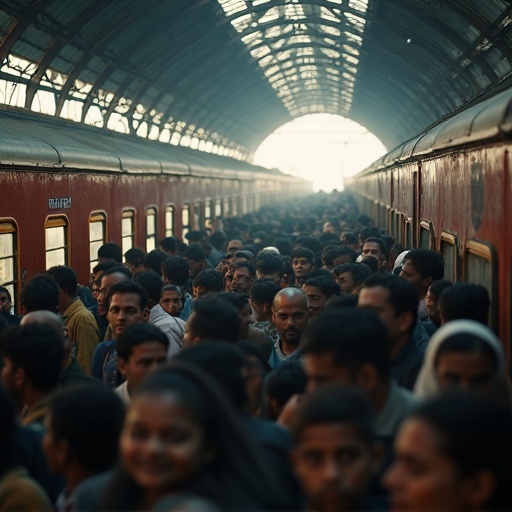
{"type": "Point", "coordinates": [334, 455]}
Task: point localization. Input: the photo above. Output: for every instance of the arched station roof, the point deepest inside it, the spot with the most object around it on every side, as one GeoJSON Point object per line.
{"type": "Point", "coordinates": [221, 75]}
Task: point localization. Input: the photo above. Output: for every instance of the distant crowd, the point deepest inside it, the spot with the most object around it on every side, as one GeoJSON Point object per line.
{"type": "Point", "coordinates": [294, 359]}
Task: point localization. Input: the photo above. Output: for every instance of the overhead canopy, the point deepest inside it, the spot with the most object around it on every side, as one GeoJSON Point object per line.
{"type": "Point", "coordinates": [221, 75]}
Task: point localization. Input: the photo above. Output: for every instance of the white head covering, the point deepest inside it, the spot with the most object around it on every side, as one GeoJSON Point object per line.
{"type": "Point", "coordinates": [275, 250]}
{"type": "Point", "coordinates": [427, 385]}
{"type": "Point", "coordinates": [399, 260]}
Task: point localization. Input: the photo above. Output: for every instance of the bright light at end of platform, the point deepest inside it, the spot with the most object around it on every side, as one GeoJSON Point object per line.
{"type": "Point", "coordinates": [322, 148]}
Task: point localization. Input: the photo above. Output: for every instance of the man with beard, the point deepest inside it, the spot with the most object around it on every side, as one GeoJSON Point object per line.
{"type": "Point", "coordinates": [290, 315]}
{"type": "Point", "coordinates": [244, 275]}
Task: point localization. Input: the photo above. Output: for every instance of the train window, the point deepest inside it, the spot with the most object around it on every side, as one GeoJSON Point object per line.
{"type": "Point", "coordinates": [128, 230]}
{"type": "Point", "coordinates": [226, 209]}
{"type": "Point", "coordinates": [185, 220]}
{"type": "Point", "coordinates": [197, 215]}
{"type": "Point", "coordinates": [8, 257]}
{"type": "Point", "coordinates": [56, 238]}
{"type": "Point", "coordinates": [151, 229]}
{"type": "Point", "coordinates": [97, 236]}
{"type": "Point", "coordinates": [449, 252]}
{"type": "Point", "coordinates": [169, 221]}
{"type": "Point", "coordinates": [208, 216]}
{"type": "Point", "coordinates": [424, 241]}
{"type": "Point", "coordinates": [218, 208]}
{"type": "Point", "coordinates": [480, 268]}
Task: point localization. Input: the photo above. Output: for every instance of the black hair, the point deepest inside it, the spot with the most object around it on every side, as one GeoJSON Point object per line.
{"type": "Point", "coordinates": [343, 301]}
{"type": "Point", "coordinates": [66, 279]}
{"type": "Point", "coordinates": [403, 296]}
{"type": "Point", "coordinates": [327, 285]}
{"type": "Point", "coordinates": [331, 252]}
{"type": "Point", "coordinates": [283, 245]}
{"type": "Point", "coordinates": [285, 381]}
{"type": "Point", "coordinates": [350, 236]}
{"type": "Point", "coordinates": [263, 291]}
{"type": "Point", "coordinates": [135, 256]}
{"type": "Point", "coordinates": [354, 337]}
{"type": "Point", "coordinates": [111, 251]}
{"type": "Point", "coordinates": [465, 301]}
{"type": "Point", "coordinates": [168, 243]}
{"type": "Point", "coordinates": [474, 433]}
{"type": "Point", "coordinates": [222, 361]}
{"type": "Point", "coordinates": [104, 266]}
{"type": "Point", "coordinates": [40, 293]}
{"type": "Point", "coordinates": [369, 232]}
{"type": "Point", "coordinates": [335, 403]}
{"type": "Point", "coordinates": [152, 283]}
{"type": "Point", "coordinates": [195, 253]}
{"type": "Point", "coordinates": [437, 287]}
{"type": "Point", "coordinates": [210, 279]}
{"type": "Point", "coordinates": [38, 349]}
{"type": "Point", "coordinates": [248, 266]}
{"type": "Point", "coordinates": [237, 300]}
{"type": "Point", "coordinates": [154, 259]}
{"type": "Point", "coordinates": [372, 263]}
{"type": "Point", "coordinates": [8, 460]}
{"type": "Point", "coordinates": [269, 263]}
{"type": "Point", "coordinates": [308, 242]}
{"type": "Point", "coordinates": [426, 262]}
{"type": "Point", "coordinates": [138, 334]}
{"type": "Point", "coordinates": [130, 287]}
{"type": "Point", "coordinates": [303, 252]}
{"type": "Point", "coordinates": [237, 465]}
{"type": "Point", "coordinates": [7, 292]}
{"type": "Point", "coordinates": [358, 271]}
{"type": "Point", "coordinates": [118, 269]}
{"type": "Point", "coordinates": [176, 269]}
{"type": "Point", "coordinates": [89, 419]}
{"type": "Point", "coordinates": [381, 244]}
{"type": "Point", "coordinates": [466, 343]}
{"type": "Point", "coordinates": [215, 319]}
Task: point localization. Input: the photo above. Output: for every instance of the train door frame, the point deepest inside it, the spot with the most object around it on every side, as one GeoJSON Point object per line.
{"type": "Point", "coordinates": [170, 210]}
{"type": "Point", "coordinates": [101, 217]}
{"type": "Point", "coordinates": [185, 227]}
{"type": "Point", "coordinates": [154, 236]}
{"type": "Point", "coordinates": [129, 213]}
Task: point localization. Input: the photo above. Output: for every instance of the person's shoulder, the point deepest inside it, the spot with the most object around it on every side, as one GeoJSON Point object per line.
{"type": "Point", "coordinates": [19, 492]}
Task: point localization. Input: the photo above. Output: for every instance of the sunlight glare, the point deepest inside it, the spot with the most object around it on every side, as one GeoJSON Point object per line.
{"type": "Point", "coordinates": [322, 148]}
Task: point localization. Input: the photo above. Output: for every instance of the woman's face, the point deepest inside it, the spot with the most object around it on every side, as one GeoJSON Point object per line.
{"type": "Point", "coordinates": [422, 477]}
{"type": "Point", "coordinates": [171, 302]}
{"type": "Point", "coordinates": [162, 447]}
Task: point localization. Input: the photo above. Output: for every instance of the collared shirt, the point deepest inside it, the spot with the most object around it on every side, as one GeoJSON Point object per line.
{"type": "Point", "coordinates": [398, 405]}
{"type": "Point", "coordinates": [83, 332]}
{"type": "Point", "coordinates": [405, 366]}
{"type": "Point", "coordinates": [122, 391]}
{"type": "Point", "coordinates": [278, 357]}
{"type": "Point", "coordinates": [33, 416]}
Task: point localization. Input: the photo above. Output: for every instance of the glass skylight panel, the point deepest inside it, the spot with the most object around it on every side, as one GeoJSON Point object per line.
{"type": "Point", "coordinates": [301, 45]}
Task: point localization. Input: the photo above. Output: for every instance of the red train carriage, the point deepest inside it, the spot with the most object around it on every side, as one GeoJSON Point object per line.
{"type": "Point", "coordinates": [449, 189]}
{"type": "Point", "coordinates": [67, 189]}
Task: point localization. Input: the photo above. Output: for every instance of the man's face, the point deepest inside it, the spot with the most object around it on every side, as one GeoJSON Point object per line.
{"type": "Point", "coordinates": [234, 246]}
{"type": "Point", "coordinates": [302, 267]}
{"type": "Point", "coordinates": [5, 303]}
{"type": "Point", "coordinates": [190, 337]}
{"type": "Point", "coordinates": [245, 315]}
{"type": "Point", "coordinates": [242, 280]}
{"type": "Point", "coordinates": [143, 361]}
{"type": "Point", "coordinates": [376, 300]}
{"type": "Point", "coordinates": [372, 249]}
{"type": "Point", "coordinates": [125, 310]}
{"type": "Point", "coordinates": [346, 282]}
{"type": "Point", "coordinates": [199, 291]}
{"type": "Point", "coordinates": [334, 465]}
{"type": "Point", "coordinates": [431, 300]}
{"type": "Point", "coordinates": [316, 299]}
{"type": "Point", "coordinates": [171, 302]}
{"type": "Point", "coordinates": [409, 273]}
{"type": "Point", "coordinates": [290, 316]}
{"type": "Point", "coordinates": [106, 283]}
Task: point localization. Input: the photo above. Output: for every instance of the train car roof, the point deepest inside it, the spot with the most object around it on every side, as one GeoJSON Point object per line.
{"type": "Point", "coordinates": [488, 120]}
{"type": "Point", "coordinates": [37, 141]}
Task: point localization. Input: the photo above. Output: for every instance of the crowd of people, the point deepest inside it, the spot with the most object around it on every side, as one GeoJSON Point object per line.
{"type": "Point", "coordinates": [295, 359]}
